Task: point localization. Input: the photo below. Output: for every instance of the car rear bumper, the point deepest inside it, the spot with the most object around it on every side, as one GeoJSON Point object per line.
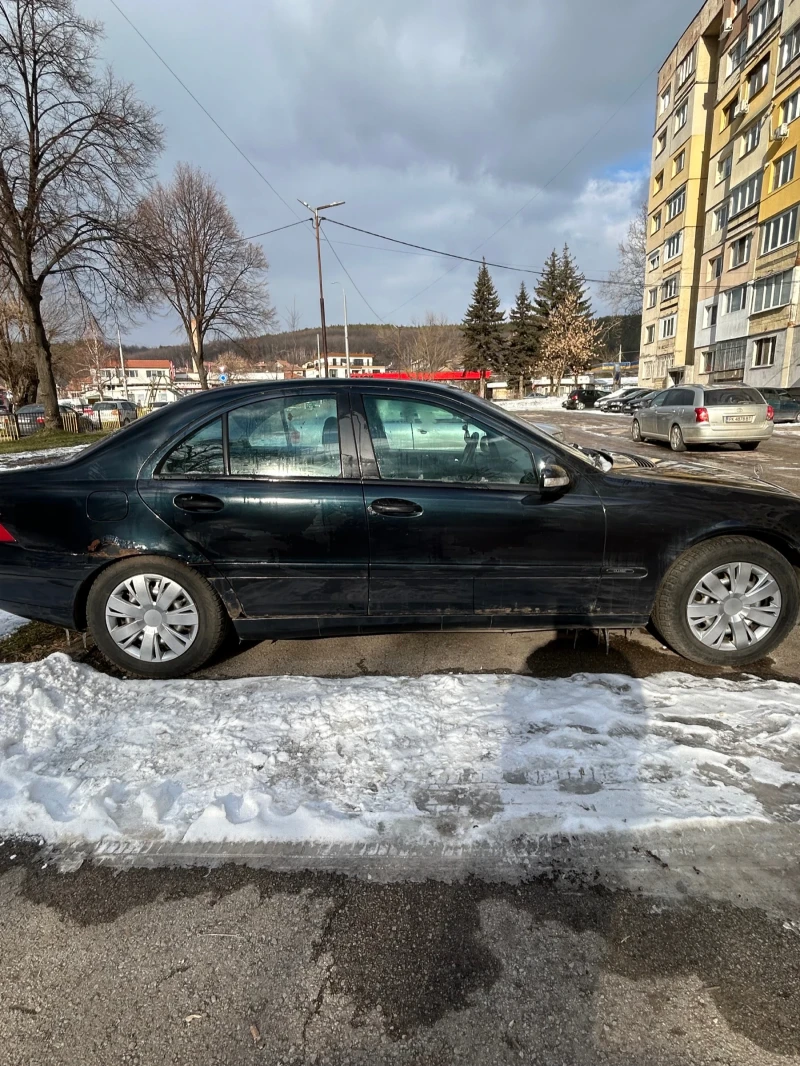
{"type": "Point", "coordinates": [44, 586]}
{"type": "Point", "coordinates": [707, 433]}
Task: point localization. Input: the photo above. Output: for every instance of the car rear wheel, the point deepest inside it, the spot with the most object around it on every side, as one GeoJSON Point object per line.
{"type": "Point", "coordinates": [676, 441]}
{"type": "Point", "coordinates": [580, 405]}
{"type": "Point", "coordinates": [636, 431]}
{"type": "Point", "coordinates": [155, 617]}
{"type": "Point", "coordinates": [749, 445]}
{"type": "Point", "coordinates": [727, 602]}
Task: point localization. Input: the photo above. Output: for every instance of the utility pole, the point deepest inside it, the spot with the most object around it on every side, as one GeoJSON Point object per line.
{"type": "Point", "coordinates": [122, 365]}
{"type": "Point", "coordinates": [346, 335]}
{"type": "Point", "coordinates": [315, 211]}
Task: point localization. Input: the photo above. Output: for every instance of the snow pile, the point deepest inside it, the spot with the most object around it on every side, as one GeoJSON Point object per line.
{"type": "Point", "coordinates": [40, 456]}
{"type": "Point", "coordinates": [10, 623]}
{"type": "Point", "coordinates": [460, 759]}
{"type": "Point", "coordinates": [533, 403]}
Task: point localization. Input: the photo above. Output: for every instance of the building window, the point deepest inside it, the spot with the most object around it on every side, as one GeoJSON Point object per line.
{"type": "Point", "coordinates": [686, 68]}
{"type": "Point", "coordinates": [652, 297]}
{"type": "Point", "coordinates": [710, 315]}
{"type": "Point", "coordinates": [762, 18]}
{"type": "Point", "coordinates": [679, 162]}
{"type": "Point", "coordinates": [740, 251]}
{"type": "Point", "coordinates": [764, 352]}
{"type": "Point", "coordinates": [734, 299]}
{"type": "Point", "coordinates": [738, 6]}
{"type": "Point", "coordinates": [715, 268]}
{"type": "Point", "coordinates": [724, 166]}
{"type": "Point", "coordinates": [661, 142]}
{"type": "Point", "coordinates": [729, 113]}
{"type": "Point", "coordinates": [784, 169]}
{"type": "Point", "coordinates": [779, 231]}
{"type": "Point", "coordinates": [750, 138]}
{"type": "Point", "coordinates": [719, 219]}
{"type": "Point", "coordinates": [650, 334]}
{"type": "Point", "coordinates": [791, 107]}
{"type": "Point", "coordinates": [655, 222]}
{"type": "Point", "coordinates": [757, 78]}
{"type": "Point", "coordinates": [790, 46]}
{"type": "Point", "coordinates": [667, 327]}
{"type": "Point", "coordinates": [664, 101]}
{"type": "Point", "coordinates": [681, 115]}
{"type": "Point", "coordinates": [673, 246]}
{"type": "Point", "coordinates": [669, 290]}
{"type": "Point", "coordinates": [745, 195]}
{"type": "Point", "coordinates": [774, 291]}
{"type": "Point", "coordinates": [736, 54]}
{"type": "Point", "coordinates": [658, 182]}
{"type": "Point", "coordinates": [726, 359]}
{"type": "Point", "coordinates": [654, 259]}
{"type": "Point", "coordinates": [676, 204]}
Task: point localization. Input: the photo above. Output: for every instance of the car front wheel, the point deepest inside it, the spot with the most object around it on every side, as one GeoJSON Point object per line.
{"type": "Point", "coordinates": [727, 602]}
{"type": "Point", "coordinates": [155, 617]}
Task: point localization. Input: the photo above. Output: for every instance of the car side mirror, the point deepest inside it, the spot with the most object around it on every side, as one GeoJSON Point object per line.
{"type": "Point", "coordinates": [553, 478]}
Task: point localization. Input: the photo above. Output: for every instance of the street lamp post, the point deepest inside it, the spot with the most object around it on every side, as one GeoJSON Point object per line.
{"type": "Point", "coordinates": [315, 211]}
{"type": "Point", "coordinates": [346, 336]}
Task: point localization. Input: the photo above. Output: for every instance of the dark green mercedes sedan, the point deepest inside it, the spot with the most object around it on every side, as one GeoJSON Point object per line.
{"type": "Point", "coordinates": [315, 507]}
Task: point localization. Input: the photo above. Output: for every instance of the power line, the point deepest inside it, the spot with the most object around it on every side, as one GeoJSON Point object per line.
{"type": "Point", "coordinates": [350, 277]}
{"type": "Point", "coordinates": [205, 111]}
{"type": "Point", "coordinates": [462, 258]}
{"type": "Point", "coordinates": [266, 232]}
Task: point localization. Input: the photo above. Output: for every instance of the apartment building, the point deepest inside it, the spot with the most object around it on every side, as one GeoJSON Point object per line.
{"type": "Point", "coordinates": [722, 280]}
{"type": "Point", "coordinates": [361, 365]}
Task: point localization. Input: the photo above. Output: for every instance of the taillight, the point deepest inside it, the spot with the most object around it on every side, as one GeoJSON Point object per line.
{"type": "Point", "coordinates": [5, 536]}
{"type": "Point", "coordinates": [700, 414]}
{"type": "Point", "coordinates": [770, 413]}
{"type": "Point", "coordinates": [40, 421]}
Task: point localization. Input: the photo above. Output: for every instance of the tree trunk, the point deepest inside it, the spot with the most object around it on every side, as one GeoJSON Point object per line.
{"type": "Point", "coordinates": [47, 392]}
{"type": "Point", "coordinates": [521, 386]}
{"type": "Point", "coordinates": [198, 357]}
{"type": "Point", "coordinates": [482, 386]}
{"type": "Point", "coordinates": [24, 386]}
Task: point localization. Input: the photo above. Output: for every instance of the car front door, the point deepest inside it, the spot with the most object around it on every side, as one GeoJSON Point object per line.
{"type": "Point", "coordinates": [269, 492]}
{"type": "Point", "coordinates": [458, 524]}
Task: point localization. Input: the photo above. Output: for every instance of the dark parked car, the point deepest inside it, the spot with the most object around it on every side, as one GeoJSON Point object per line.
{"type": "Point", "coordinates": [30, 418]}
{"type": "Point", "coordinates": [311, 508]}
{"type": "Point", "coordinates": [579, 399]}
{"type": "Point", "coordinates": [785, 406]}
{"type": "Point", "coordinates": [622, 404]}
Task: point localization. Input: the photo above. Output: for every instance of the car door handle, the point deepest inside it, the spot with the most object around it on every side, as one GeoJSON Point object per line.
{"type": "Point", "coordinates": [395, 508]}
{"type": "Point", "coordinates": [198, 502]}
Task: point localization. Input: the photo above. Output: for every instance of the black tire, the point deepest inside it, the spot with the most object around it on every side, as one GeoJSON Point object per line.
{"type": "Point", "coordinates": [212, 618]}
{"type": "Point", "coordinates": [676, 441]}
{"type": "Point", "coordinates": [749, 445]}
{"type": "Point", "coordinates": [636, 431]}
{"type": "Point", "coordinates": [669, 612]}
{"type": "Point", "coordinates": [580, 406]}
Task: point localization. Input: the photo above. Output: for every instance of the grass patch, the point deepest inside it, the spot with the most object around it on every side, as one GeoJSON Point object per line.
{"type": "Point", "coordinates": [37, 640]}
{"type": "Point", "coordinates": [50, 438]}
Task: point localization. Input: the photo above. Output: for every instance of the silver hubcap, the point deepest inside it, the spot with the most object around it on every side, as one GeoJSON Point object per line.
{"type": "Point", "coordinates": [636, 430]}
{"type": "Point", "coordinates": [734, 607]}
{"type": "Point", "coordinates": [676, 438]}
{"type": "Point", "coordinates": [152, 618]}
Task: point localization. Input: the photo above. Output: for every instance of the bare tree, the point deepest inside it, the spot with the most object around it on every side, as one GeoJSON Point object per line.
{"type": "Point", "coordinates": [434, 344]}
{"type": "Point", "coordinates": [195, 255]}
{"type": "Point", "coordinates": [624, 289]}
{"type": "Point", "coordinates": [571, 340]}
{"type": "Point", "coordinates": [76, 147]}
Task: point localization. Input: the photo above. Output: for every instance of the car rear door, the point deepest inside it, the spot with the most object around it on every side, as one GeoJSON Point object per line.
{"type": "Point", "coordinates": [648, 416]}
{"type": "Point", "coordinates": [457, 523]}
{"type": "Point", "coordinates": [270, 493]}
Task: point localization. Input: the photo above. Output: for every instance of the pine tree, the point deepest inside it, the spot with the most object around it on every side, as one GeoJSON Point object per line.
{"type": "Point", "coordinates": [483, 326]}
{"type": "Point", "coordinates": [548, 291]}
{"type": "Point", "coordinates": [573, 281]}
{"type": "Point", "coordinates": [523, 342]}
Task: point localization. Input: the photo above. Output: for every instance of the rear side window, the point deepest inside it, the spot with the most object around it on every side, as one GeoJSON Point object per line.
{"type": "Point", "coordinates": [198, 455]}
{"type": "Point", "coordinates": [731, 397]}
{"type": "Point", "coordinates": [285, 437]}
{"type": "Point", "coordinates": [684, 398]}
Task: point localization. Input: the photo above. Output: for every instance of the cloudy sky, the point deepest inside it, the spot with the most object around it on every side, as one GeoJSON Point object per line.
{"type": "Point", "coordinates": [437, 122]}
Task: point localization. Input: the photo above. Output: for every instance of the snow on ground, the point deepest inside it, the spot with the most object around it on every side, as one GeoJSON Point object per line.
{"type": "Point", "coordinates": [408, 761]}
{"type": "Point", "coordinates": [18, 460]}
{"type": "Point", "coordinates": [9, 623]}
{"type": "Point", "coordinates": [533, 403]}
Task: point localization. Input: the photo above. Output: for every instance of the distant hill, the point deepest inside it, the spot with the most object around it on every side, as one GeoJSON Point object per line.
{"type": "Point", "coordinates": [385, 342]}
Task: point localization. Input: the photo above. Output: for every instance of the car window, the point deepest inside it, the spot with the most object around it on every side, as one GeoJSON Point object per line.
{"type": "Point", "coordinates": [660, 399]}
{"type": "Point", "coordinates": [683, 398]}
{"type": "Point", "coordinates": [285, 437]}
{"type": "Point", "coordinates": [197, 455]}
{"type": "Point", "coordinates": [731, 397]}
{"type": "Point", "coordinates": [420, 441]}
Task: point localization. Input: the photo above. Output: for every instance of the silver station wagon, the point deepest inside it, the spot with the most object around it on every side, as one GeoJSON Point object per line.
{"type": "Point", "coordinates": [705, 414]}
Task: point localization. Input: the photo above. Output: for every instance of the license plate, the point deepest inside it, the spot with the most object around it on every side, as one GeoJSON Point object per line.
{"type": "Point", "coordinates": [738, 418]}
